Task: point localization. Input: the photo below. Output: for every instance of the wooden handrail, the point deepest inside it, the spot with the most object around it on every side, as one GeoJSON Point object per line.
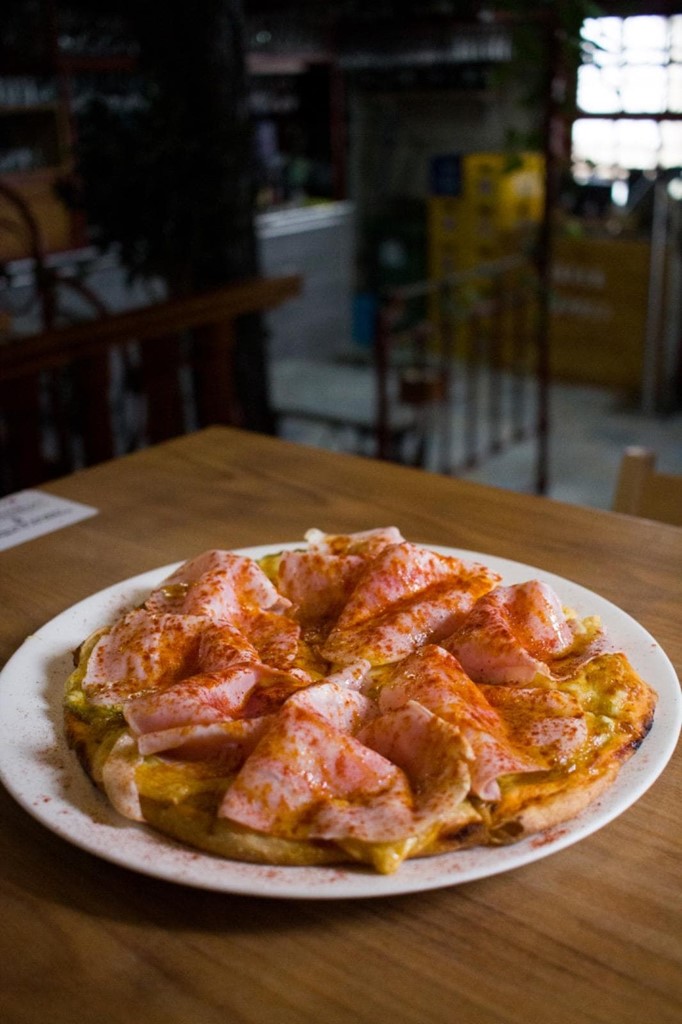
{"type": "Point", "coordinates": [56, 385]}
{"type": "Point", "coordinates": [61, 346]}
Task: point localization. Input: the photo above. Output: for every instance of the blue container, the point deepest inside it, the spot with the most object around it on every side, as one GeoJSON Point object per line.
{"type": "Point", "coordinates": [365, 306]}
{"type": "Point", "coordinates": [445, 175]}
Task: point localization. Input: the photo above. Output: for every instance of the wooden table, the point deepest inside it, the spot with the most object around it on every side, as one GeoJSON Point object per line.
{"type": "Point", "coordinates": [591, 933]}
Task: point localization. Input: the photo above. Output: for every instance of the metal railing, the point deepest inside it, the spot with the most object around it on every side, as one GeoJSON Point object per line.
{"type": "Point", "coordinates": [470, 353]}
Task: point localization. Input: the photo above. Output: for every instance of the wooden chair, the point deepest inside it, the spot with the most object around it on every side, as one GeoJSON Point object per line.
{"type": "Point", "coordinates": [641, 491]}
{"type": "Point", "coordinates": [58, 399]}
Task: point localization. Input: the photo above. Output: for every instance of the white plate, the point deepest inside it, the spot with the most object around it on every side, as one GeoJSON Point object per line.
{"type": "Point", "coordinates": [43, 775]}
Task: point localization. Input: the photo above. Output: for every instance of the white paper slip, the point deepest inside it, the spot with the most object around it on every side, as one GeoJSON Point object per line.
{"type": "Point", "coordinates": [29, 514]}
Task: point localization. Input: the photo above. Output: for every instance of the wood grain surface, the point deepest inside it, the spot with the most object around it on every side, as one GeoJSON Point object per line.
{"type": "Point", "coordinates": [592, 933]}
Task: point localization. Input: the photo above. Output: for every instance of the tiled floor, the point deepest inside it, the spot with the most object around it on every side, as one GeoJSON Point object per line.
{"type": "Point", "coordinates": [589, 428]}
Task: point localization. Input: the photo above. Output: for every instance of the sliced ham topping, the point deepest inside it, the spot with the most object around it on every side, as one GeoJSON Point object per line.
{"type": "Point", "coordinates": [306, 779]}
{"type": "Point", "coordinates": [398, 573]}
{"type": "Point", "coordinates": [366, 543]}
{"type": "Point", "coordinates": [436, 680]}
{"type": "Point", "coordinates": [406, 597]}
{"type": "Point", "coordinates": [118, 777]}
{"type": "Point", "coordinates": [318, 584]}
{"type": "Point", "coordinates": [403, 628]}
{"type": "Point", "coordinates": [319, 580]}
{"type": "Point", "coordinates": [196, 700]}
{"type": "Point", "coordinates": [511, 634]}
{"type": "Point", "coordinates": [223, 645]}
{"type": "Point", "coordinates": [242, 691]}
{"type": "Point", "coordinates": [275, 637]}
{"type": "Point", "coordinates": [433, 754]}
{"type": "Point", "coordinates": [142, 651]}
{"type": "Point", "coordinates": [343, 708]}
{"type": "Point", "coordinates": [261, 636]}
{"type": "Point", "coordinates": [217, 584]}
{"type": "Point", "coordinates": [225, 744]}
{"type": "Point", "coordinates": [352, 675]}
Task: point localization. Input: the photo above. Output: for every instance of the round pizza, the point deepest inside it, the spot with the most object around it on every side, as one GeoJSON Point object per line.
{"type": "Point", "coordinates": [358, 698]}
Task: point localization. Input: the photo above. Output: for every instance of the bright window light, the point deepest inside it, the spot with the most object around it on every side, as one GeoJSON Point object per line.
{"type": "Point", "coordinates": [603, 39]}
{"type": "Point", "coordinates": [645, 39]}
{"type": "Point", "coordinates": [644, 89]}
{"type": "Point", "coordinates": [676, 37]}
{"type": "Point", "coordinates": [630, 66]}
{"type": "Point", "coordinates": [599, 90]}
{"type": "Point", "coordinates": [620, 193]}
{"type": "Point", "coordinates": [671, 144]}
{"type": "Point", "coordinates": [675, 189]}
{"type": "Point", "coordinates": [675, 88]}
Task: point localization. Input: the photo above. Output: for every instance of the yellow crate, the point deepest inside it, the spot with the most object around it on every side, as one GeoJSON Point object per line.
{"type": "Point", "coordinates": [450, 256]}
{"type": "Point", "coordinates": [517, 194]}
{"type": "Point", "coordinates": [599, 306]}
{"type": "Point", "coordinates": [481, 175]}
{"type": "Point", "coordinates": [495, 204]}
{"type": "Point", "coordinates": [522, 194]}
{"type": "Point", "coordinates": [445, 258]}
{"type": "Point", "coordinates": [464, 227]}
{"type": "Point", "coordinates": [447, 218]}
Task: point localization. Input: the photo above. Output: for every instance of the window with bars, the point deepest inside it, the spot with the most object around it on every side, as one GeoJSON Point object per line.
{"type": "Point", "coordinates": [629, 97]}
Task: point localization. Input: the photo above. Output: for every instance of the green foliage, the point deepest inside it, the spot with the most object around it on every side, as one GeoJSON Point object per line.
{"type": "Point", "coordinates": [546, 41]}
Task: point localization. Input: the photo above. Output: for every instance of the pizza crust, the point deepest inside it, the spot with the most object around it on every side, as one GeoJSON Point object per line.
{"type": "Point", "coordinates": [197, 825]}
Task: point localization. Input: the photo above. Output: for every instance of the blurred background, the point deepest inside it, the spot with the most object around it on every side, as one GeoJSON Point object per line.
{"type": "Point", "coordinates": [483, 201]}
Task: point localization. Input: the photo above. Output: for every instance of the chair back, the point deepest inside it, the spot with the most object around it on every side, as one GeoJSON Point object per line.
{"type": "Point", "coordinates": [642, 491]}
{"type": "Point", "coordinates": [77, 395]}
